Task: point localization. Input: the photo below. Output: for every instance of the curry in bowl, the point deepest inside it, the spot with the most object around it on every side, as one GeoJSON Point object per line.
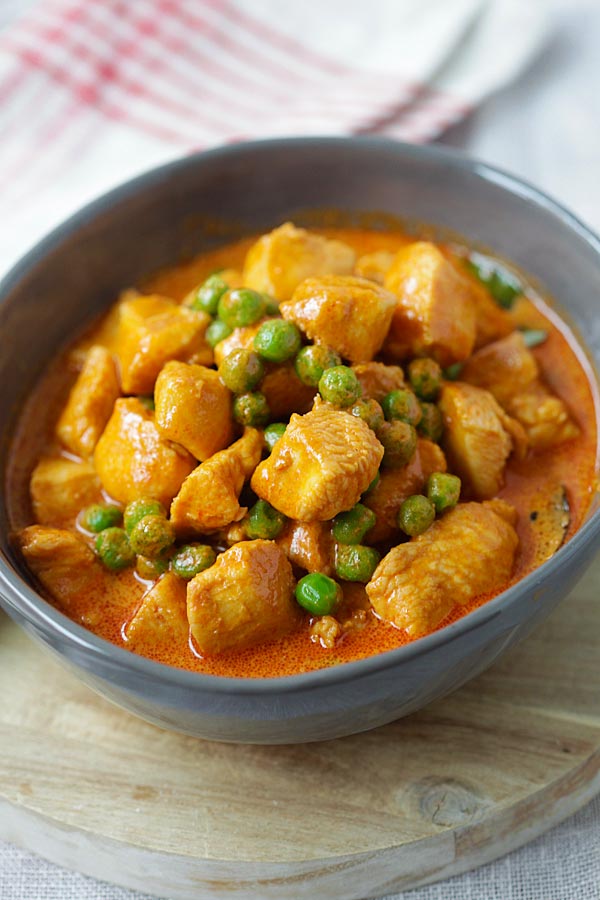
{"type": "Point", "coordinates": [305, 449]}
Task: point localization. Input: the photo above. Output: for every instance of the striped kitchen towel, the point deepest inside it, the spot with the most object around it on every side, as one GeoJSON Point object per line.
{"type": "Point", "coordinates": [95, 91]}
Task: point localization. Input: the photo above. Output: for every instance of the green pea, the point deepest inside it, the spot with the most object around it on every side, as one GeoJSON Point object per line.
{"type": "Point", "coordinates": [251, 409]}
{"type": "Point", "coordinates": [373, 485]}
{"type": "Point", "coordinates": [399, 440]}
{"type": "Point", "coordinates": [271, 305]}
{"type": "Point", "coordinates": [100, 516]}
{"type": "Point", "coordinates": [339, 386]}
{"type": "Point", "coordinates": [370, 412]}
{"type": "Point", "coordinates": [425, 376]}
{"type": "Point", "coordinates": [356, 562]}
{"type": "Point", "coordinates": [350, 527]}
{"type": "Point", "coordinates": [192, 559]}
{"type": "Point", "coordinates": [431, 425]}
{"type": "Point", "coordinates": [402, 404]}
{"type": "Point", "coordinates": [209, 293]}
{"type": "Point", "coordinates": [533, 337]}
{"type": "Point", "coordinates": [217, 331]}
{"type": "Point", "coordinates": [152, 535]}
{"type": "Point", "coordinates": [241, 371]}
{"type": "Point", "coordinates": [312, 361]}
{"type": "Point", "coordinates": [241, 307]}
{"type": "Point", "coordinates": [151, 569]}
{"type": "Point", "coordinates": [114, 549]}
{"type": "Point", "coordinates": [443, 490]}
{"type": "Point", "coordinates": [277, 340]}
{"type": "Point", "coordinates": [318, 594]}
{"type": "Point", "coordinates": [502, 285]}
{"type": "Point", "coordinates": [416, 515]}
{"type": "Point", "coordinates": [273, 433]}
{"type": "Point", "coordinates": [264, 521]}
{"type": "Point", "coordinates": [452, 373]}
{"type": "Point", "coordinates": [137, 509]}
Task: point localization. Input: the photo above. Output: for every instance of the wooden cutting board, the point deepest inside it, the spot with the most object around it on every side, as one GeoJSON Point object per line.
{"type": "Point", "coordinates": [445, 790]}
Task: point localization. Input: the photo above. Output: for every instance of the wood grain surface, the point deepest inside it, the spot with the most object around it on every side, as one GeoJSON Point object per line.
{"type": "Point", "coordinates": [447, 789]}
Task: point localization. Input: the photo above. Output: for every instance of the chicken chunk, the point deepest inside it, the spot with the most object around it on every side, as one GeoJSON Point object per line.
{"type": "Point", "coordinates": [280, 260]}
{"type": "Point", "coordinates": [60, 488]}
{"type": "Point", "coordinates": [395, 485]}
{"type": "Point", "coordinates": [64, 565]}
{"type": "Point", "coordinates": [478, 437]}
{"type": "Point", "coordinates": [326, 630]}
{"type": "Point", "coordinates": [322, 464]}
{"type": "Point", "coordinates": [90, 403]}
{"type": "Point", "coordinates": [350, 315]}
{"type": "Point", "coordinates": [467, 552]}
{"type": "Point", "coordinates": [133, 460]}
{"type": "Point", "coordinates": [374, 266]}
{"type": "Point", "coordinates": [376, 379]}
{"type": "Point", "coordinates": [309, 545]}
{"type": "Point", "coordinates": [544, 417]}
{"type": "Point", "coordinates": [509, 371]}
{"type": "Point", "coordinates": [154, 330]}
{"type": "Point", "coordinates": [285, 393]}
{"type": "Point", "coordinates": [435, 311]}
{"type": "Point", "coordinates": [245, 598]}
{"type": "Point", "coordinates": [193, 408]}
{"type": "Point", "coordinates": [161, 618]}
{"type": "Point", "coordinates": [209, 497]}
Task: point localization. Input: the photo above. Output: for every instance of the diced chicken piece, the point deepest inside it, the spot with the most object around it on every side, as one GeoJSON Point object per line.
{"type": "Point", "coordinates": [350, 315]}
{"type": "Point", "coordinates": [161, 618]}
{"type": "Point", "coordinates": [90, 403]}
{"type": "Point", "coordinates": [245, 598]}
{"type": "Point", "coordinates": [545, 418]}
{"type": "Point", "coordinates": [64, 565]}
{"type": "Point", "coordinates": [60, 488]}
{"type": "Point", "coordinates": [209, 497]}
{"type": "Point", "coordinates": [193, 408]}
{"type": "Point", "coordinates": [326, 630]}
{"type": "Point", "coordinates": [322, 464]}
{"type": "Point", "coordinates": [509, 371]}
{"type": "Point", "coordinates": [478, 437]}
{"type": "Point", "coordinates": [435, 312]}
{"type": "Point", "coordinates": [395, 485]}
{"type": "Point", "coordinates": [154, 330]}
{"type": "Point", "coordinates": [280, 260]}
{"type": "Point", "coordinates": [468, 552]}
{"type": "Point", "coordinates": [376, 379]}
{"type": "Point", "coordinates": [505, 368]}
{"type": "Point", "coordinates": [309, 545]}
{"type": "Point", "coordinates": [285, 393]}
{"type": "Point", "coordinates": [133, 460]}
{"type": "Point", "coordinates": [374, 266]}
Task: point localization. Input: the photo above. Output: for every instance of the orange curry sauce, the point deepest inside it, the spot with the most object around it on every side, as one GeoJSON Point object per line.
{"type": "Point", "coordinates": [528, 484]}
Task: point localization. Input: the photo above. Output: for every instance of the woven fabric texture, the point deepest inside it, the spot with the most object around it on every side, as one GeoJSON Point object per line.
{"type": "Point", "coordinates": [564, 864]}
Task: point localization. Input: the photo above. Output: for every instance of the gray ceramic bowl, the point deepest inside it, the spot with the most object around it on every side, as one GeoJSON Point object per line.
{"type": "Point", "coordinates": [75, 272]}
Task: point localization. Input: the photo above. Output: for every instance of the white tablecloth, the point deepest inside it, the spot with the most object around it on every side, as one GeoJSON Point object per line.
{"type": "Point", "coordinates": [547, 129]}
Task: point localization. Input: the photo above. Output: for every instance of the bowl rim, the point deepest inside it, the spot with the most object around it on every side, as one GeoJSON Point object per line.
{"type": "Point", "coordinates": [37, 611]}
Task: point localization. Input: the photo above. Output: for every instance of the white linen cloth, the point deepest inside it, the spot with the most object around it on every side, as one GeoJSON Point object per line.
{"type": "Point", "coordinates": [93, 92]}
{"type": "Point", "coordinates": [546, 129]}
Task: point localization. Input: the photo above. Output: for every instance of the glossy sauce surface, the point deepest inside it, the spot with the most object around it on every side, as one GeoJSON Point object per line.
{"type": "Point", "coordinates": [533, 486]}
